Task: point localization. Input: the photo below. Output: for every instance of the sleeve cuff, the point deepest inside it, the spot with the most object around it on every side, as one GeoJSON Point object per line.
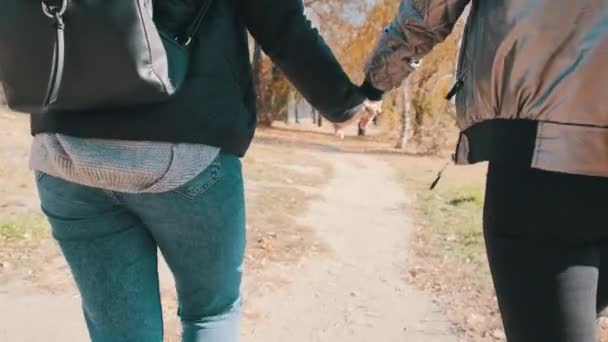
{"type": "Point", "coordinates": [344, 116]}
{"type": "Point", "coordinates": [371, 92]}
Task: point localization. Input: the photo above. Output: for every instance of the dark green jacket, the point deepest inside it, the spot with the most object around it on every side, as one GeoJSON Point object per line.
{"type": "Point", "coordinates": [216, 106]}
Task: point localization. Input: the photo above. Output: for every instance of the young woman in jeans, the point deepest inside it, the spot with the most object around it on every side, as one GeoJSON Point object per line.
{"type": "Point", "coordinates": [118, 185]}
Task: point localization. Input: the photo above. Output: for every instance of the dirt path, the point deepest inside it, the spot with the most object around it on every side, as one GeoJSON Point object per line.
{"type": "Point", "coordinates": [354, 292]}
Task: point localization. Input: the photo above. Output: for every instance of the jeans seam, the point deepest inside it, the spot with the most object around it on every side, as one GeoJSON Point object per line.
{"type": "Point", "coordinates": [113, 196]}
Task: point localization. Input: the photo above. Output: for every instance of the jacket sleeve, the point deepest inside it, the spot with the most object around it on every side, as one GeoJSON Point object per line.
{"type": "Point", "coordinates": [417, 28]}
{"type": "Point", "coordinates": [288, 38]}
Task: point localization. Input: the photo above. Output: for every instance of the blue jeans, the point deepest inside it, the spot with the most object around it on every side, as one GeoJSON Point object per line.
{"type": "Point", "coordinates": [110, 242]}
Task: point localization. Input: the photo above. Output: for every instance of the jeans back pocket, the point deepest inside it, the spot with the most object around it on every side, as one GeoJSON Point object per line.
{"type": "Point", "coordinates": [203, 182]}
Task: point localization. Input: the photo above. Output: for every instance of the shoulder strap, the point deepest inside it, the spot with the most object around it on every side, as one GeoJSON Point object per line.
{"type": "Point", "coordinates": [196, 23]}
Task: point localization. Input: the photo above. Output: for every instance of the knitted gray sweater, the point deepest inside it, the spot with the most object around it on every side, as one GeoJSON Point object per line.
{"type": "Point", "coordinates": [122, 166]}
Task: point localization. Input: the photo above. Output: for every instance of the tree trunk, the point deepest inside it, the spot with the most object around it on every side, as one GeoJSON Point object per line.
{"type": "Point", "coordinates": [256, 66]}
{"type": "Point", "coordinates": [318, 119]}
{"type": "Point", "coordinates": [264, 116]}
{"type": "Point", "coordinates": [406, 117]}
{"type": "Point", "coordinates": [361, 131]}
{"type": "Point", "coordinates": [419, 122]}
{"type": "Point", "coordinates": [296, 112]}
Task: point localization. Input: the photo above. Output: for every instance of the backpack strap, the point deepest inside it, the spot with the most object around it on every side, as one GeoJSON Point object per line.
{"type": "Point", "coordinates": [186, 38]}
{"type": "Point", "coordinates": [55, 13]}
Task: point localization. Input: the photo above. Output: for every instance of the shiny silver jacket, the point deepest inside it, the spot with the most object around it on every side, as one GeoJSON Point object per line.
{"type": "Point", "coordinates": [544, 61]}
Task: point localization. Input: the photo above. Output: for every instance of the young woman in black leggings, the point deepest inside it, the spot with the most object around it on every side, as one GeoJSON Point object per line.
{"type": "Point", "coordinates": [531, 99]}
{"type": "Point", "coordinates": [547, 241]}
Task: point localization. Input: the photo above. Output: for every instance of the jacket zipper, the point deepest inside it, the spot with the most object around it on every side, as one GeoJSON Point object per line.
{"type": "Point", "coordinates": [455, 89]}
{"type": "Point", "coordinates": [461, 58]}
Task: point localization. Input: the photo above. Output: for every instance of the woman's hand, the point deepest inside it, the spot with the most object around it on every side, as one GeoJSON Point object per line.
{"type": "Point", "coordinates": [368, 112]}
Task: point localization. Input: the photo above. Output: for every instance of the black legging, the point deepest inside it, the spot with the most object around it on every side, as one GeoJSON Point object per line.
{"type": "Point", "coordinates": [547, 243]}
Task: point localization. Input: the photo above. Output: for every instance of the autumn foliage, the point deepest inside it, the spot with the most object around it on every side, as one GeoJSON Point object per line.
{"type": "Point", "coordinates": [351, 28]}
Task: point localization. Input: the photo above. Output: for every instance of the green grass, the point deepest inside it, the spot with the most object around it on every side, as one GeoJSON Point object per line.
{"type": "Point", "coordinates": [454, 215]}
{"type": "Point", "coordinates": [451, 214]}
{"type": "Point", "coordinates": [26, 227]}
